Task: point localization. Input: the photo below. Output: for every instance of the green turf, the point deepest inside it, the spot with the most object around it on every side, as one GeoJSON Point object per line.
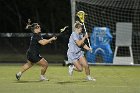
{"type": "Point", "coordinates": [110, 79]}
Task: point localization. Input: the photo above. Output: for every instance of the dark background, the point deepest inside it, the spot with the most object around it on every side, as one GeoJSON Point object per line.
{"type": "Point", "coordinates": [51, 14]}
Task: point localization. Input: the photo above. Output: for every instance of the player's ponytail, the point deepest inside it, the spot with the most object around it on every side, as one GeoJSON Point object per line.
{"type": "Point", "coordinates": [32, 26]}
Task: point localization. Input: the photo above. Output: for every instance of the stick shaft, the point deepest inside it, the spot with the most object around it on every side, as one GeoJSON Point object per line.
{"type": "Point", "coordinates": [87, 38]}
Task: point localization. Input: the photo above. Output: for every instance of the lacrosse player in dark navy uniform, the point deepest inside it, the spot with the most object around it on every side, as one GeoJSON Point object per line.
{"type": "Point", "coordinates": [33, 53]}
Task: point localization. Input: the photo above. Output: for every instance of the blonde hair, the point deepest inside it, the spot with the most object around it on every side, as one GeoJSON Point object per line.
{"type": "Point", "coordinates": [77, 24]}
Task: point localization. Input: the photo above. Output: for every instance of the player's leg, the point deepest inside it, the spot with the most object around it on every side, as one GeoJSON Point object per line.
{"type": "Point", "coordinates": [75, 66]}
{"type": "Point", "coordinates": [44, 65]}
{"type": "Point", "coordinates": [73, 59]}
{"type": "Point", "coordinates": [23, 69]}
{"type": "Point", "coordinates": [85, 65]}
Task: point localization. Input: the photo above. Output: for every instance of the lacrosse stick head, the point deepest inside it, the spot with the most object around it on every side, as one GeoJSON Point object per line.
{"type": "Point", "coordinates": [81, 15]}
{"type": "Point", "coordinates": [63, 29]}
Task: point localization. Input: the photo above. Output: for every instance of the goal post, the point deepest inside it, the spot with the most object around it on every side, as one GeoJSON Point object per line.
{"type": "Point", "coordinates": [107, 13]}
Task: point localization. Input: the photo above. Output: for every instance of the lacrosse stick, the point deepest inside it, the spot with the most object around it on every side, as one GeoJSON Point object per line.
{"type": "Point", "coordinates": [61, 31]}
{"type": "Point", "coordinates": [81, 15]}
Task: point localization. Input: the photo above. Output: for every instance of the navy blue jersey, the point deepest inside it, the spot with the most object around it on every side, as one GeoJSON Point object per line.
{"type": "Point", "coordinates": [34, 44]}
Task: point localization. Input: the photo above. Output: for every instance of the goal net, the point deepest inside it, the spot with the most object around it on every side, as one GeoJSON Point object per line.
{"type": "Point", "coordinates": [122, 18]}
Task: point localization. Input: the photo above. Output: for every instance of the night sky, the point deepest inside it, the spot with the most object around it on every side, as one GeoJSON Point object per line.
{"type": "Point", "coordinates": [51, 14]}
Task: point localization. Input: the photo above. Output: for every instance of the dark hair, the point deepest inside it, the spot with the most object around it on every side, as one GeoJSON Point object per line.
{"type": "Point", "coordinates": [32, 26]}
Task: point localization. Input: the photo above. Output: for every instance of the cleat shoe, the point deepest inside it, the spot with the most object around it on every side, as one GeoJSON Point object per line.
{"type": "Point", "coordinates": [90, 78]}
{"type": "Point", "coordinates": [43, 78]}
{"type": "Point", "coordinates": [18, 76]}
{"type": "Point", "coordinates": [71, 69]}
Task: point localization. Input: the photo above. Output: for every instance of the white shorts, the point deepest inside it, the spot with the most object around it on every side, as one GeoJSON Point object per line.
{"type": "Point", "coordinates": [73, 57]}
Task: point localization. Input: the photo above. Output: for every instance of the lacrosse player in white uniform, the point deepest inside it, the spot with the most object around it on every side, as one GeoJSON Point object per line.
{"type": "Point", "coordinates": [76, 54]}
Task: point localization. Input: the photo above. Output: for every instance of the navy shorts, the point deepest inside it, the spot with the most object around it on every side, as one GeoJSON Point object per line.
{"type": "Point", "coordinates": [33, 57]}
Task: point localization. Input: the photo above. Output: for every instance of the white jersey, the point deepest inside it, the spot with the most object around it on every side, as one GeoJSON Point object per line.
{"type": "Point", "coordinates": [74, 51]}
{"type": "Point", "coordinates": [72, 46]}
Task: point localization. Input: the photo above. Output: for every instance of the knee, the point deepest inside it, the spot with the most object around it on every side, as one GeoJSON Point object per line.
{"type": "Point", "coordinates": [80, 69]}
{"type": "Point", "coordinates": [45, 65]}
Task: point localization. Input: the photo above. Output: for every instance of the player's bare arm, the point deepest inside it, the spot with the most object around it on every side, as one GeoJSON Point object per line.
{"type": "Point", "coordinates": [46, 41]}
{"type": "Point", "coordinates": [81, 42]}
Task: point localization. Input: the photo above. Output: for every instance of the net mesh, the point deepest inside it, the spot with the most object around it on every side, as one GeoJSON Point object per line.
{"type": "Point", "coordinates": [106, 13]}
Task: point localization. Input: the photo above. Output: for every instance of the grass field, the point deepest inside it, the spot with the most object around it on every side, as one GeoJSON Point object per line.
{"type": "Point", "coordinates": [110, 79]}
